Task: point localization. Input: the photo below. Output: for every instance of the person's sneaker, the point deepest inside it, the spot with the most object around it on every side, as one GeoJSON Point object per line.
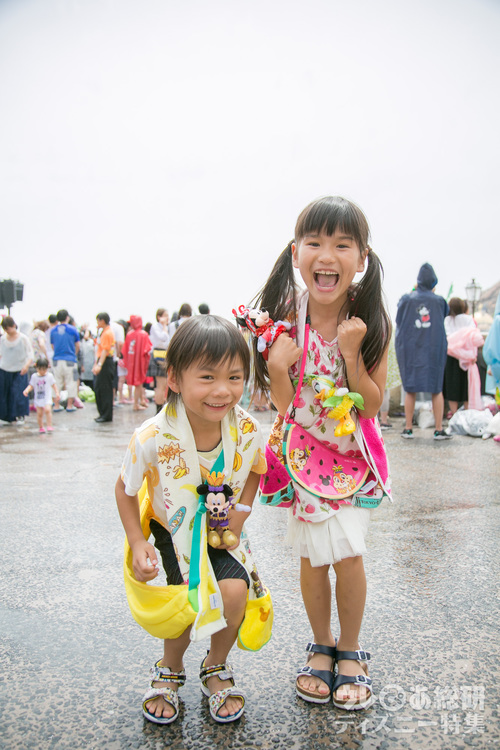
{"type": "Point", "coordinates": [71, 408]}
{"type": "Point", "coordinates": [50, 429]}
{"type": "Point", "coordinates": [20, 420]}
{"type": "Point", "coordinates": [41, 430]}
{"type": "Point", "coordinates": [441, 435]}
{"type": "Point", "coordinates": [408, 434]}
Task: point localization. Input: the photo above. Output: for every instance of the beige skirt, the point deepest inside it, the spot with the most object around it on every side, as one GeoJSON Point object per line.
{"type": "Point", "coordinates": [328, 542]}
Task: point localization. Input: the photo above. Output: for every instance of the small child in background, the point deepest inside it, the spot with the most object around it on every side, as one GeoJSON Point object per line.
{"type": "Point", "coordinates": [42, 382]}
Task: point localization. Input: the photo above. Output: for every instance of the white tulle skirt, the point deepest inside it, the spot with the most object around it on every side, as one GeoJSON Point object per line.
{"type": "Point", "coordinates": [328, 542]}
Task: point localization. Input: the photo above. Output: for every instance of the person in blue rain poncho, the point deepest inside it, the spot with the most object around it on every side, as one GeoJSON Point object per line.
{"type": "Point", "coordinates": [421, 347]}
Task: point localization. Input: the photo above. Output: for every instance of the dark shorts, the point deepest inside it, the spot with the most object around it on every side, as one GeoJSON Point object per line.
{"type": "Point", "coordinates": [223, 563]}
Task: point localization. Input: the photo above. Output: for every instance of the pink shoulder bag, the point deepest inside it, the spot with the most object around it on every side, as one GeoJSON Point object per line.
{"type": "Point", "coordinates": [317, 467]}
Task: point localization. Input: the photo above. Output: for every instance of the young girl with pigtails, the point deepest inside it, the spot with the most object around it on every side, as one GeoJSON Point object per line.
{"type": "Point", "coordinates": [327, 377]}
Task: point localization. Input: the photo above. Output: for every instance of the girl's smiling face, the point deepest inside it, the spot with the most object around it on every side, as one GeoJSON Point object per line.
{"type": "Point", "coordinates": [328, 264]}
{"type": "Point", "coordinates": [209, 392]}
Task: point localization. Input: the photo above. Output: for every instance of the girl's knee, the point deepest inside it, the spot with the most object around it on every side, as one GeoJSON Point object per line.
{"type": "Point", "coordinates": [311, 571]}
{"type": "Point", "coordinates": [349, 565]}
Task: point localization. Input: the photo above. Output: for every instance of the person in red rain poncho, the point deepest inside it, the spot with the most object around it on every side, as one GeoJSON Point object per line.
{"type": "Point", "coordinates": [136, 351]}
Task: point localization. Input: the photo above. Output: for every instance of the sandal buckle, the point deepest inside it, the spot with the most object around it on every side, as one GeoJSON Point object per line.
{"type": "Point", "coordinates": [364, 655]}
{"type": "Point", "coordinates": [362, 679]}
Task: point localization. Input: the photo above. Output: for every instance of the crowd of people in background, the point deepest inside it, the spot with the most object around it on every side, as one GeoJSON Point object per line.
{"type": "Point", "coordinates": [439, 351]}
{"type": "Point", "coordinates": [48, 367]}
{"type": "Point", "coordinates": [436, 348]}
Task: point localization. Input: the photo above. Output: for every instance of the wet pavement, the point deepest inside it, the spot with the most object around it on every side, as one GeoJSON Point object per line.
{"type": "Point", "coordinates": [74, 664]}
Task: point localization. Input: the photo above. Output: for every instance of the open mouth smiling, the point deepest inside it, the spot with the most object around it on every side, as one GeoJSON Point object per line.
{"type": "Point", "coordinates": [326, 279]}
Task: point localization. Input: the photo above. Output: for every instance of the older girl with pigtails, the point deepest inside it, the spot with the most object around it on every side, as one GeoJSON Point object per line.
{"type": "Point", "coordinates": [327, 378]}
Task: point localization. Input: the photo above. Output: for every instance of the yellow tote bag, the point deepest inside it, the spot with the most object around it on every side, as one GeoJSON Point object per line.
{"type": "Point", "coordinates": [255, 630]}
{"type": "Point", "coordinates": [164, 611]}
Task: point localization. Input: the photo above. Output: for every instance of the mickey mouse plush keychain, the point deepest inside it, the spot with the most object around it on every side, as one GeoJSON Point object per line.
{"type": "Point", "coordinates": [218, 501]}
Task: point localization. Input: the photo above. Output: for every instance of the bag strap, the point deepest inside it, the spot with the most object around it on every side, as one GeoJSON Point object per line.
{"type": "Point", "coordinates": [302, 367]}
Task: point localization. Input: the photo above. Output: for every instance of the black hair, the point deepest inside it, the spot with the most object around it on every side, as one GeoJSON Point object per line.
{"type": "Point", "coordinates": [42, 363]}
{"type": "Point", "coordinates": [103, 316]}
{"type": "Point", "coordinates": [185, 310]}
{"type": "Point", "coordinates": [62, 315]}
{"type": "Point", "coordinates": [206, 339]}
{"type": "Point", "coordinates": [365, 299]}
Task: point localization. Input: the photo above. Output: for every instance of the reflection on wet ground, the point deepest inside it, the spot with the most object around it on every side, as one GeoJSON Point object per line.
{"type": "Point", "coordinates": [74, 665]}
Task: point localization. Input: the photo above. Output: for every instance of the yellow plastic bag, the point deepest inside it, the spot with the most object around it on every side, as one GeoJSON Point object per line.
{"type": "Point", "coordinates": [164, 611]}
{"type": "Point", "coordinates": [256, 629]}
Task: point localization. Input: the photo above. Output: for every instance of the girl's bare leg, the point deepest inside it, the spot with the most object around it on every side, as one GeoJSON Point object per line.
{"type": "Point", "coordinates": [173, 652]}
{"type": "Point", "coordinates": [48, 415]}
{"type": "Point", "coordinates": [234, 596]}
{"type": "Point", "coordinates": [39, 416]}
{"type": "Point", "coordinates": [351, 596]}
{"type": "Point", "coordinates": [317, 595]}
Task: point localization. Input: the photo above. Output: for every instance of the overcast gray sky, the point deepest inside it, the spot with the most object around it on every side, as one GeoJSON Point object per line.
{"type": "Point", "coordinates": [154, 152]}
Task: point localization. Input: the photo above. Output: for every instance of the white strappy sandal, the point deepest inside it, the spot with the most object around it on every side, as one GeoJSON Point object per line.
{"type": "Point", "coordinates": [216, 700]}
{"type": "Point", "coordinates": [163, 674]}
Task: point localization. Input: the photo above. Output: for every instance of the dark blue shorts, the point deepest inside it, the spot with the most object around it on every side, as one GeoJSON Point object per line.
{"type": "Point", "coordinates": [223, 563]}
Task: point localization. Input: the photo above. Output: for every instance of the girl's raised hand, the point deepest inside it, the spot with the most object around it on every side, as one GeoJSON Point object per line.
{"type": "Point", "coordinates": [144, 561]}
{"type": "Point", "coordinates": [283, 353]}
{"type": "Point", "coordinates": [350, 335]}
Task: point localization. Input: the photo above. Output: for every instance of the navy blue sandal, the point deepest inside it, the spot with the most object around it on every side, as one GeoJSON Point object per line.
{"type": "Point", "coordinates": [325, 675]}
{"type": "Point", "coordinates": [361, 679]}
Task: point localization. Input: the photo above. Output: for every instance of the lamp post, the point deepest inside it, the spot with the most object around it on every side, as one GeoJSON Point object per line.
{"type": "Point", "coordinates": [473, 293]}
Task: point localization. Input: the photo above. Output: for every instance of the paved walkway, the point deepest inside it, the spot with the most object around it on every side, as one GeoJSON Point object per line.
{"type": "Point", "coordinates": [74, 665]}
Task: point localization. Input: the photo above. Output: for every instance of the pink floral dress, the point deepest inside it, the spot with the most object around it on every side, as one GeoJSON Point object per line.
{"type": "Point", "coordinates": [323, 530]}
